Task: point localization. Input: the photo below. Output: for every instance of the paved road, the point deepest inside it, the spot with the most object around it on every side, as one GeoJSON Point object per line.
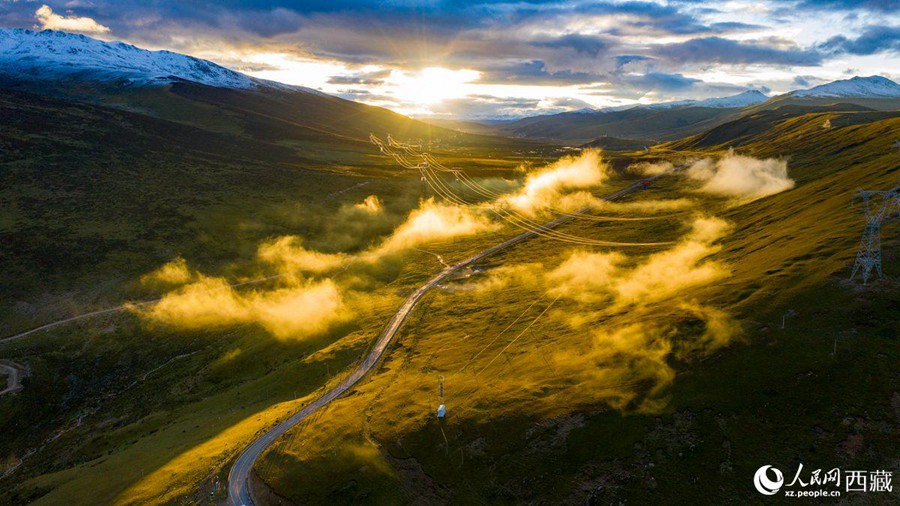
{"type": "Point", "coordinates": [238, 483]}
{"type": "Point", "coordinates": [13, 381]}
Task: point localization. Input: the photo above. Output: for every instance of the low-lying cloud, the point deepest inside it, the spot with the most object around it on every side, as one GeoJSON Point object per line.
{"type": "Point", "coordinates": [629, 366]}
{"type": "Point", "coordinates": [626, 361]}
{"type": "Point", "coordinates": [295, 311]}
{"type": "Point", "coordinates": [300, 299]}
{"type": "Point", "coordinates": [434, 221]}
{"type": "Point", "coordinates": [651, 168]}
{"type": "Point", "coordinates": [371, 204]}
{"type": "Point", "coordinates": [590, 276]}
{"type": "Point", "coordinates": [307, 291]}
{"type": "Point", "coordinates": [288, 255]}
{"type": "Point", "coordinates": [741, 177]}
{"type": "Point", "coordinates": [562, 185]}
{"type": "Point", "coordinates": [171, 273]}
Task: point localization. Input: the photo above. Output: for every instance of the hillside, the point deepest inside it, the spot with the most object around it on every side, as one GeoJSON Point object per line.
{"type": "Point", "coordinates": [108, 392]}
{"type": "Point", "coordinates": [95, 198]}
{"type": "Point", "coordinates": [649, 124]}
{"type": "Point", "coordinates": [636, 305]}
{"type": "Point", "coordinates": [668, 121]}
{"type": "Point", "coordinates": [772, 125]}
{"type": "Point", "coordinates": [196, 92]}
{"type": "Point", "coordinates": [796, 385]}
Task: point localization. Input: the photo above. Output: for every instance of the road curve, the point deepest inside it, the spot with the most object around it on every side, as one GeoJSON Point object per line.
{"type": "Point", "coordinates": [238, 477]}
{"type": "Point", "coordinates": [14, 380]}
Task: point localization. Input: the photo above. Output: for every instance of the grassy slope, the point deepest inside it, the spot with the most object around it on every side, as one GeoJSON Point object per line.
{"type": "Point", "coordinates": [120, 411]}
{"type": "Point", "coordinates": [645, 124]}
{"type": "Point", "coordinates": [267, 114]}
{"type": "Point", "coordinates": [526, 433]}
{"type": "Point", "coordinates": [878, 104]}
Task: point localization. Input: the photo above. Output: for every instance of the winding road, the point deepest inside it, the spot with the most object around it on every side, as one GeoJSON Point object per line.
{"type": "Point", "coordinates": [239, 492]}
{"type": "Point", "coordinates": [14, 376]}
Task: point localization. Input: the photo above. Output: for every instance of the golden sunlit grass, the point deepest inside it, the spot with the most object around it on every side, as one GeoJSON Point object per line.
{"type": "Point", "coordinates": [596, 333]}
{"type": "Point", "coordinates": [166, 455]}
{"type": "Point", "coordinates": [525, 339]}
{"type": "Point", "coordinates": [564, 355]}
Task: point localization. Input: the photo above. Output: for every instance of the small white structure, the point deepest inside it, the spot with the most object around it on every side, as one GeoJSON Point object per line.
{"type": "Point", "coordinates": [442, 410]}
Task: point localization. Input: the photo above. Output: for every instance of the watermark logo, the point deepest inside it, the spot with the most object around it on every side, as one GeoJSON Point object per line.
{"type": "Point", "coordinates": [766, 486]}
{"type": "Point", "coordinates": [769, 480]}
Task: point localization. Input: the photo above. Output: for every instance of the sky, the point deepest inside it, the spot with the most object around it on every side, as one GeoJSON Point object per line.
{"type": "Point", "coordinates": [488, 59]}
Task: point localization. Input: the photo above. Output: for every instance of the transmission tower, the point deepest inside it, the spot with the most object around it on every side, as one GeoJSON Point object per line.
{"type": "Point", "coordinates": [868, 257]}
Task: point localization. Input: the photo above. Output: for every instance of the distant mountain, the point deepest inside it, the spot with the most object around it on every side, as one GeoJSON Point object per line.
{"type": "Point", "coordinates": [856, 87]}
{"type": "Point", "coordinates": [53, 55]}
{"type": "Point", "coordinates": [191, 91]}
{"type": "Point", "coordinates": [857, 93]}
{"type": "Point", "coordinates": [638, 124]}
{"type": "Point", "coordinates": [744, 99]}
{"type": "Point", "coordinates": [672, 120]}
{"type": "Point", "coordinates": [647, 124]}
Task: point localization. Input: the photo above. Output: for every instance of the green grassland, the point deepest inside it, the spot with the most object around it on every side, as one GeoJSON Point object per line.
{"type": "Point", "coordinates": [93, 198]}
{"type": "Point", "coordinates": [823, 390]}
{"type": "Point", "coordinates": [119, 410]}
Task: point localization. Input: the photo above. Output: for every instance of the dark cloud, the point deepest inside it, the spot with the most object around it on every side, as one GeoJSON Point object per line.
{"type": "Point", "coordinates": [583, 44]}
{"type": "Point", "coordinates": [874, 39]}
{"type": "Point", "coordinates": [657, 81]}
{"type": "Point", "coordinates": [608, 43]}
{"type": "Point", "coordinates": [532, 72]}
{"type": "Point", "coordinates": [623, 60]}
{"type": "Point", "coordinates": [362, 78]}
{"type": "Point", "coordinates": [889, 6]}
{"type": "Point", "coordinates": [271, 22]}
{"type": "Point", "coordinates": [719, 50]}
{"type": "Point", "coordinates": [649, 15]}
{"type": "Point", "coordinates": [734, 26]}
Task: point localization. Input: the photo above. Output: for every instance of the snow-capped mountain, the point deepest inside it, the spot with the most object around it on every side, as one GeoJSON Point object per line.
{"type": "Point", "coordinates": [749, 97]}
{"type": "Point", "coordinates": [53, 55]}
{"type": "Point", "coordinates": [742, 99]}
{"type": "Point", "coordinates": [856, 87]}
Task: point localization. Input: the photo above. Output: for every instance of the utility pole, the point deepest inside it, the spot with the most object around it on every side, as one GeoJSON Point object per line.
{"type": "Point", "coordinates": [868, 256]}
{"type": "Point", "coordinates": [442, 409]}
{"type": "Point", "coordinates": [790, 312]}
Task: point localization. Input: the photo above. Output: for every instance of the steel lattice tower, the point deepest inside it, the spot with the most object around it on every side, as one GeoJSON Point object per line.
{"type": "Point", "coordinates": [868, 257]}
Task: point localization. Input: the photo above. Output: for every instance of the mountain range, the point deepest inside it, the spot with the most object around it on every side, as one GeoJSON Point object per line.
{"type": "Point", "coordinates": [190, 91]}
{"type": "Point", "coordinates": [182, 88]}
{"type": "Point", "coordinates": [673, 120]}
{"type": "Point", "coordinates": [129, 175]}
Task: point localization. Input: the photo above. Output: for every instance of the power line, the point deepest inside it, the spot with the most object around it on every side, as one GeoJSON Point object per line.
{"type": "Point", "coordinates": [502, 332]}
{"type": "Point", "coordinates": [536, 318]}
{"type": "Point", "coordinates": [428, 171]}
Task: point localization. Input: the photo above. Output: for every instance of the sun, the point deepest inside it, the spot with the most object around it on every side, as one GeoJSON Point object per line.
{"type": "Point", "coordinates": [430, 85]}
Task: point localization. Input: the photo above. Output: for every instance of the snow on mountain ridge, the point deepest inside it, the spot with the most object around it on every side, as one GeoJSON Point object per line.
{"type": "Point", "coordinates": [859, 87]}
{"type": "Point", "coordinates": [749, 97]}
{"type": "Point", "coordinates": [59, 55]}
{"type": "Point", "coordinates": [742, 99]}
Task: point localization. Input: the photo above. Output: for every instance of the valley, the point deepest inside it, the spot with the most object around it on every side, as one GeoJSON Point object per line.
{"type": "Point", "coordinates": [219, 289]}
